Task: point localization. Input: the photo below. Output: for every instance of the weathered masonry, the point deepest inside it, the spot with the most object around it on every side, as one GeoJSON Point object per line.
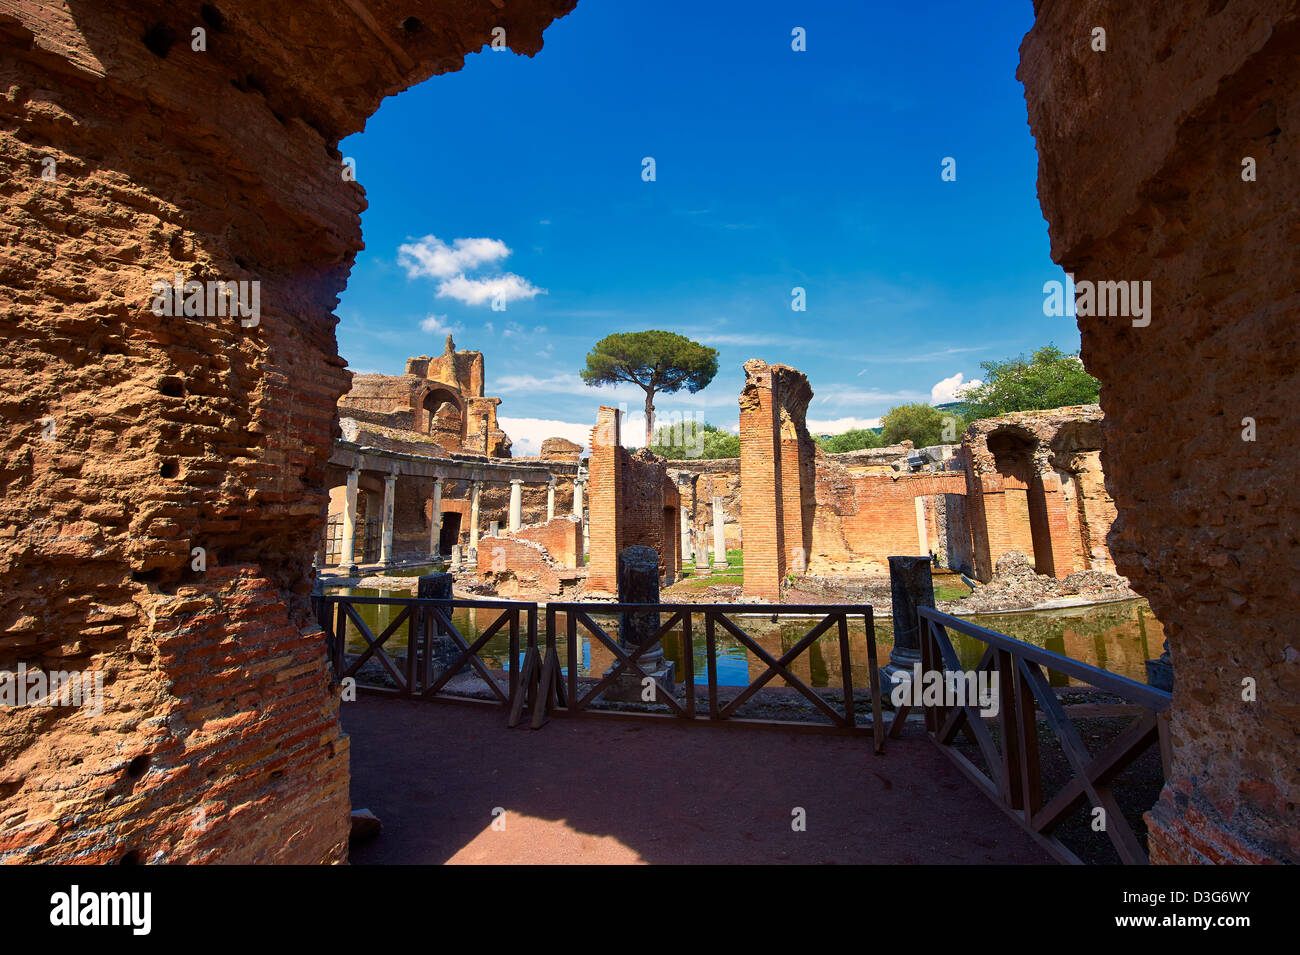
{"type": "Point", "coordinates": [175, 433]}
{"type": "Point", "coordinates": [127, 158]}
{"type": "Point", "coordinates": [1029, 482]}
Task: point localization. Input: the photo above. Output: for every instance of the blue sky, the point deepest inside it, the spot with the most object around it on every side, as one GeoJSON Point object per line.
{"type": "Point", "coordinates": [774, 169]}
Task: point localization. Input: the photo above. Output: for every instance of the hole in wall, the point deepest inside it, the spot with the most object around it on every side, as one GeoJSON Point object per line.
{"type": "Point", "coordinates": [159, 39]}
{"type": "Point", "coordinates": [413, 25]}
{"type": "Point", "coordinates": [213, 17]}
{"type": "Point", "coordinates": [131, 858]}
{"type": "Point", "coordinates": [171, 386]}
{"type": "Point", "coordinates": [137, 767]}
{"type": "Point", "coordinates": [170, 469]}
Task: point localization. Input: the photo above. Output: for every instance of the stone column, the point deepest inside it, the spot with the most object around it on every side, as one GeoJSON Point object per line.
{"type": "Point", "coordinates": [701, 554]}
{"type": "Point", "coordinates": [435, 520]}
{"type": "Point", "coordinates": [578, 482]}
{"type": "Point", "coordinates": [719, 535]}
{"type": "Point", "coordinates": [911, 587]}
{"type": "Point", "coordinates": [550, 498]}
{"type": "Point", "coordinates": [442, 648]}
{"type": "Point", "coordinates": [922, 535]}
{"type": "Point", "coordinates": [390, 507]}
{"type": "Point", "coordinates": [516, 504]}
{"type": "Point", "coordinates": [688, 553]}
{"type": "Point", "coordinates": [638, 583]}
{"type": "Point", "coordinates": [475, 489]}
{"type": "Point", "coordinates": [348, 546]}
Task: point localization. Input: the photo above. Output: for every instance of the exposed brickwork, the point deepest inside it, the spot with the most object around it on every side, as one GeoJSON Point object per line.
{"type": "Point", "coordinates": [561, 538]}
{"type": "Point", "coordinates": [219, 737]}
{"type": "Point", "coordinates": [632, 501]}
{"type": "Point", "coordinates": [776, 454]}
{"type": "Point", "coordinates": [1035, 486]}
{"type": "Point", "coordinates": [1206, 521]}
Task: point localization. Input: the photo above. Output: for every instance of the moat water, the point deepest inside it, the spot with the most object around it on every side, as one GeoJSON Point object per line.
{"type": "Point", "coordinates": [1118, 637]}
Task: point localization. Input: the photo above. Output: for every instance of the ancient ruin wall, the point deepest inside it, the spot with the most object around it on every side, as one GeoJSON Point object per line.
{"type": "Point", "coordinates": [219, 739]}
{"type": "Point", "coordinates": [1141, 155]}
{"type": "Point", "coordinates": [776, 473]}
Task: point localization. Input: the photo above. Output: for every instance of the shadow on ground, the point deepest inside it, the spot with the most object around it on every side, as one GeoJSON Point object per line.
{"type": "Point", "coordinates": [591, 790]}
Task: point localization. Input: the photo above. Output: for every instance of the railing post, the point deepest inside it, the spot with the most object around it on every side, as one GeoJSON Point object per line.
{"type": "Point", "coordinates": [688, 664]}
{"type": "Point", "coordinates": [846, 669]}
{"type": "Point", "coordinates": [1008, 719]}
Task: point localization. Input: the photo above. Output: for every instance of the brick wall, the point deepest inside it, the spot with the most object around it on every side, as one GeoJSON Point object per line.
{"type": "Point", "coordinates": [561, 538]}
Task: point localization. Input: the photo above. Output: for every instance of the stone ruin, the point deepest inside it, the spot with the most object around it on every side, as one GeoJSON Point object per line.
{"type": "Point", "coordinates": [134, 438]}
{"type": "Point", "coordinates": [441, 398]}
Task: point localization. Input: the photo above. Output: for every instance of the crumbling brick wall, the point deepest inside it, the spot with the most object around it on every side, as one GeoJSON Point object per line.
{"type": "Point", "coordinates": [561, 537]}
{"type": "Point", "coordinates": [777, 479]}
{"type": "Point", "coordinates": [864, 519]}
{"type": "Point", "coordinates": [1035, 487]}
{"type": "Point", "coordinates": [632, 501]}
{"type": "Point", "coordinates": [1141, 161]}
{"type": "Point", "coordinates": [219, 739]}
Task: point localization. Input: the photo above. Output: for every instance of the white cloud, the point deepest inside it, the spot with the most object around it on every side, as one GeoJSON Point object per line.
{"type": "Point", "coordinates": [438, 325]}
{"type": "Point", "coordinates": [507, 288]}
{"type": "Point", "coordinates": [949, 389]}
{"type": "Point", "coordinates": [430, 257]}
{"type": "Point", "coordinates": [529, 433]}
{"type": "Point", "coordinates": [840, 425]}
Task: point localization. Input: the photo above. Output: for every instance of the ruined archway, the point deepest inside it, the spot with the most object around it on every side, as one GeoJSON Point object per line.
{"type": "Point", "coordinates": [178, 431]}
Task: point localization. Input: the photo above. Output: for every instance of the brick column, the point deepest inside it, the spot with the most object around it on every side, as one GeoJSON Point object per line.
{"type": "Point", "coordinates": [605, 478]}
{"type": "Point", "coordinates": [760, 483]}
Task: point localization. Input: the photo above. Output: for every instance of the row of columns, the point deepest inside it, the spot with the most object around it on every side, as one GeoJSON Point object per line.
{"type": "Point", "coordinates": [347, 549]}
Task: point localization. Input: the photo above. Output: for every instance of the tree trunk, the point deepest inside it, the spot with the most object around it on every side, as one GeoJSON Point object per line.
{"type": "Point", "coordinates": [649, 417]}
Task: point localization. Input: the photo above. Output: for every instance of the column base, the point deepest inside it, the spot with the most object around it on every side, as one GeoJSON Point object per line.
{"type": "Point", "coordinates": [627, 686]}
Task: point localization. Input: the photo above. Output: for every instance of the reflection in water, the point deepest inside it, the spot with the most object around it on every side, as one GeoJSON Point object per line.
{"type": "Point", "coordinates": [1118, 637]}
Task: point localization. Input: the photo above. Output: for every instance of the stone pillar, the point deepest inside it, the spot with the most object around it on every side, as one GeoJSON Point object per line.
{"type": "Point", "coordinates": [911, 587]}
{"type": "Point", "coordinates": [688, 552]}
{"type": "Point", "coordinates": [443, 649]}
{"type": "Point", "coordinates": [922, 537]}
{"type": "Point", "coordinates": [719, 535]}
{"type": "Point", "coordinates": [390, 507]}
{"type": "Point", "coordinates": [455, 559]}
{"type": "Point", "coordinates": [1160, 671]}
{"type": "Point", "coordinates": [435, 520]}
{"type": "Point", "coordinates": [348, 546]}
{"type": "Point", "coordinates": [702, 555]}
{"type": "Point", "coordinates": [516, 504]}
{"type": "Point", "coordinates": [494, 528]}
{"type": "Point", "coordinates": [638, 583]}
{"type": "Point", "coordinates": [475, 489]}
{"type": "Point", "coordinates": [550, 498]}
{"type": "Point", "coordinates": [578, 482]}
